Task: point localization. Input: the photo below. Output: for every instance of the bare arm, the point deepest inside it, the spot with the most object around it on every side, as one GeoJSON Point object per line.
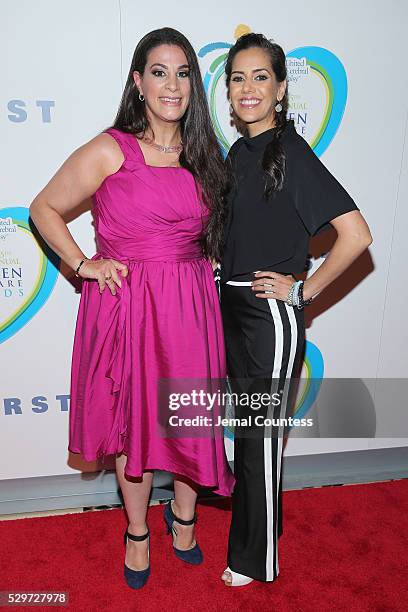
{"type": "Point", "coordinates": [77, 179]}
{"type": "Point", "coordinates": [353, 237]}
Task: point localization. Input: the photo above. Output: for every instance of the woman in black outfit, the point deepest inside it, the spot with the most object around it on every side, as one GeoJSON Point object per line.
{"type": "Point", "coordinates": [281, 194]}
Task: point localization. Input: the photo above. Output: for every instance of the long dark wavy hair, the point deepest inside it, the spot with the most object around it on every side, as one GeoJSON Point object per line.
{"type": "Point", "coordinates": [201, 154]}
{"type": "Point", "coordinates": [273, 161]}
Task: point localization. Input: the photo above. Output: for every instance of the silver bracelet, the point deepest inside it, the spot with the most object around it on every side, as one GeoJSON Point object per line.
{"type": "Point", "coordinates": [296, 293]}
{"type": "Point", "coordinates": [289, 299]}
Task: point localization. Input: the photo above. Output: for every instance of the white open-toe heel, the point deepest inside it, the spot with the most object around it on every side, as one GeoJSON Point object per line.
{"type": "Point", "coordinates": [238, 579]}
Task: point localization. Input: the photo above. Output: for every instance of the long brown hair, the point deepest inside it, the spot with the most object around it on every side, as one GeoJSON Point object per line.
{"type": "Point", "coordinates": [201, 153]}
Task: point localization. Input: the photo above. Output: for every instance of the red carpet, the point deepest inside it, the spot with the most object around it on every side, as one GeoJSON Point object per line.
{"type": "Point", "coordinates": [343, 548]}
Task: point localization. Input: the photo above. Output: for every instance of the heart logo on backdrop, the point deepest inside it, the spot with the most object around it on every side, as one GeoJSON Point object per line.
{"type": "Point", "coordinates": [312, 374]}
{"type": "Point", "coordinates": [317, 84]}
{"type": "Point", "coordinates": [28, 271]}
{"type": "Point", "coordinates": [318, 94]}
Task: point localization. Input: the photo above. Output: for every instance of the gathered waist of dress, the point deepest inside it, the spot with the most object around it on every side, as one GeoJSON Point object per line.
{"type": "Point", "coordinates": [172, 250]}
{"type": "Point", "coordinates": [169, 258]}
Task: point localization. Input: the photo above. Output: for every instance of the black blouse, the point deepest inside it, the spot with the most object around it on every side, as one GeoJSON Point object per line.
{"type": "Point", "coordinates": [273, 234]}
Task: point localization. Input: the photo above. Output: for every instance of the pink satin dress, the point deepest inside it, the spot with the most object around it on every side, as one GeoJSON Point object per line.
{"type": "Point", "coordinates": [164, 322]}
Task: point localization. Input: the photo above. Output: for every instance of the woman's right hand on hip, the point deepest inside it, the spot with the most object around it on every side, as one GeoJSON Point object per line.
{"type": "Point", "coordinates": [106, 271]}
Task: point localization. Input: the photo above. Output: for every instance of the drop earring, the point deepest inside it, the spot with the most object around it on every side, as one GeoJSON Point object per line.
{"type": "Point", "coordinates": [278, 107]}
{"type": "Point", "coordinates": [231, 109]}
{"type": "Point", "coordinates": [141, 97]}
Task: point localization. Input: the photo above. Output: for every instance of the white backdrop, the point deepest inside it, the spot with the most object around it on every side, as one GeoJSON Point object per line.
{"type": "Point", "coordinates": [61, 84]}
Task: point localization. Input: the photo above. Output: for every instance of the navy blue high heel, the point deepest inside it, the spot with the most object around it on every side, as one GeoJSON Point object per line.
{"type": "Point", "coordinates": [136, 579]}
{"type": "Point", "coordinates": [193, 555]}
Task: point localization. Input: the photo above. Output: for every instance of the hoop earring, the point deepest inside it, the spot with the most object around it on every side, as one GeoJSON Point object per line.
{"type": "Point", "coordinates": [141, 97]}
{"type": "Point", "coordinates": [278, 107]}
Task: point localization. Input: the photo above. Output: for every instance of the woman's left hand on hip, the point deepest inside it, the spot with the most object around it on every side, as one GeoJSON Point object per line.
{"type": "Point", "coordinates": [273, 285]}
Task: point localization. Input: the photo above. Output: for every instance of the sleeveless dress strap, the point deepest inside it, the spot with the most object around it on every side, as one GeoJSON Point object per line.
{"type": "Point", "coordinates": [128, 145]}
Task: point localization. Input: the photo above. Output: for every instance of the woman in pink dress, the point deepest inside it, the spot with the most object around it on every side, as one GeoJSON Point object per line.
{"type": "Point", "coordinates": [149, 307]}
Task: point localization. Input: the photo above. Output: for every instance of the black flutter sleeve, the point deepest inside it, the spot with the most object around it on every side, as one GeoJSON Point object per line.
{"type": "Point", "coordinates": [317, 195]}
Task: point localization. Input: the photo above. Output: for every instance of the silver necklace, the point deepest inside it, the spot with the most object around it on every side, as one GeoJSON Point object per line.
{"type": "Point", "coordinates": [163, 148]}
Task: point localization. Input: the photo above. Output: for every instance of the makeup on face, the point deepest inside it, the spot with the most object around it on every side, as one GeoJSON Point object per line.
{"type": "Point", "coordinates": [165, 83]}
{"type": "Point", "coordinates": [253, 87]}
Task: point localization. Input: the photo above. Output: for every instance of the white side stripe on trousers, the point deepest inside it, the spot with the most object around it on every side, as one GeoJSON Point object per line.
{"type": "Point", "coordinates": [293, 346]}
{"type": "Point", "coordinates": [272, 537]}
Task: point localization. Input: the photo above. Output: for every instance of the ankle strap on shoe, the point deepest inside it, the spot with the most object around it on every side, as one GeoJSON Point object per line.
{"type": "Point", "coordinates": [182, 521]}
{"type": "Point", "coordinates": [136, 538]}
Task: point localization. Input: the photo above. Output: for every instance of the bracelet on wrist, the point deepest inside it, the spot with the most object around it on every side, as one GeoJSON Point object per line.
{"type": "Point", "coordinates": [295, 296]}
{"type": "Point", "coordinates": [297, 293]}
{"type": "Point", "coordinates": [79, 267]}
{"type": "Point", "coordinates": [289, 299]}
{"type": "Point", "coordinates": [302, 302]}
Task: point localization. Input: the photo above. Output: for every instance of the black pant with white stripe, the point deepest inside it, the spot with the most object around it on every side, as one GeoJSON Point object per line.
{"type": "Point", "coordinates": [265, 342]}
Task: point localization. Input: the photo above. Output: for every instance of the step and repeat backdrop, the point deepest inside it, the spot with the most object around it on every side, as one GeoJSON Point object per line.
{"type": "Point", "coordinates": [64, 65]}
